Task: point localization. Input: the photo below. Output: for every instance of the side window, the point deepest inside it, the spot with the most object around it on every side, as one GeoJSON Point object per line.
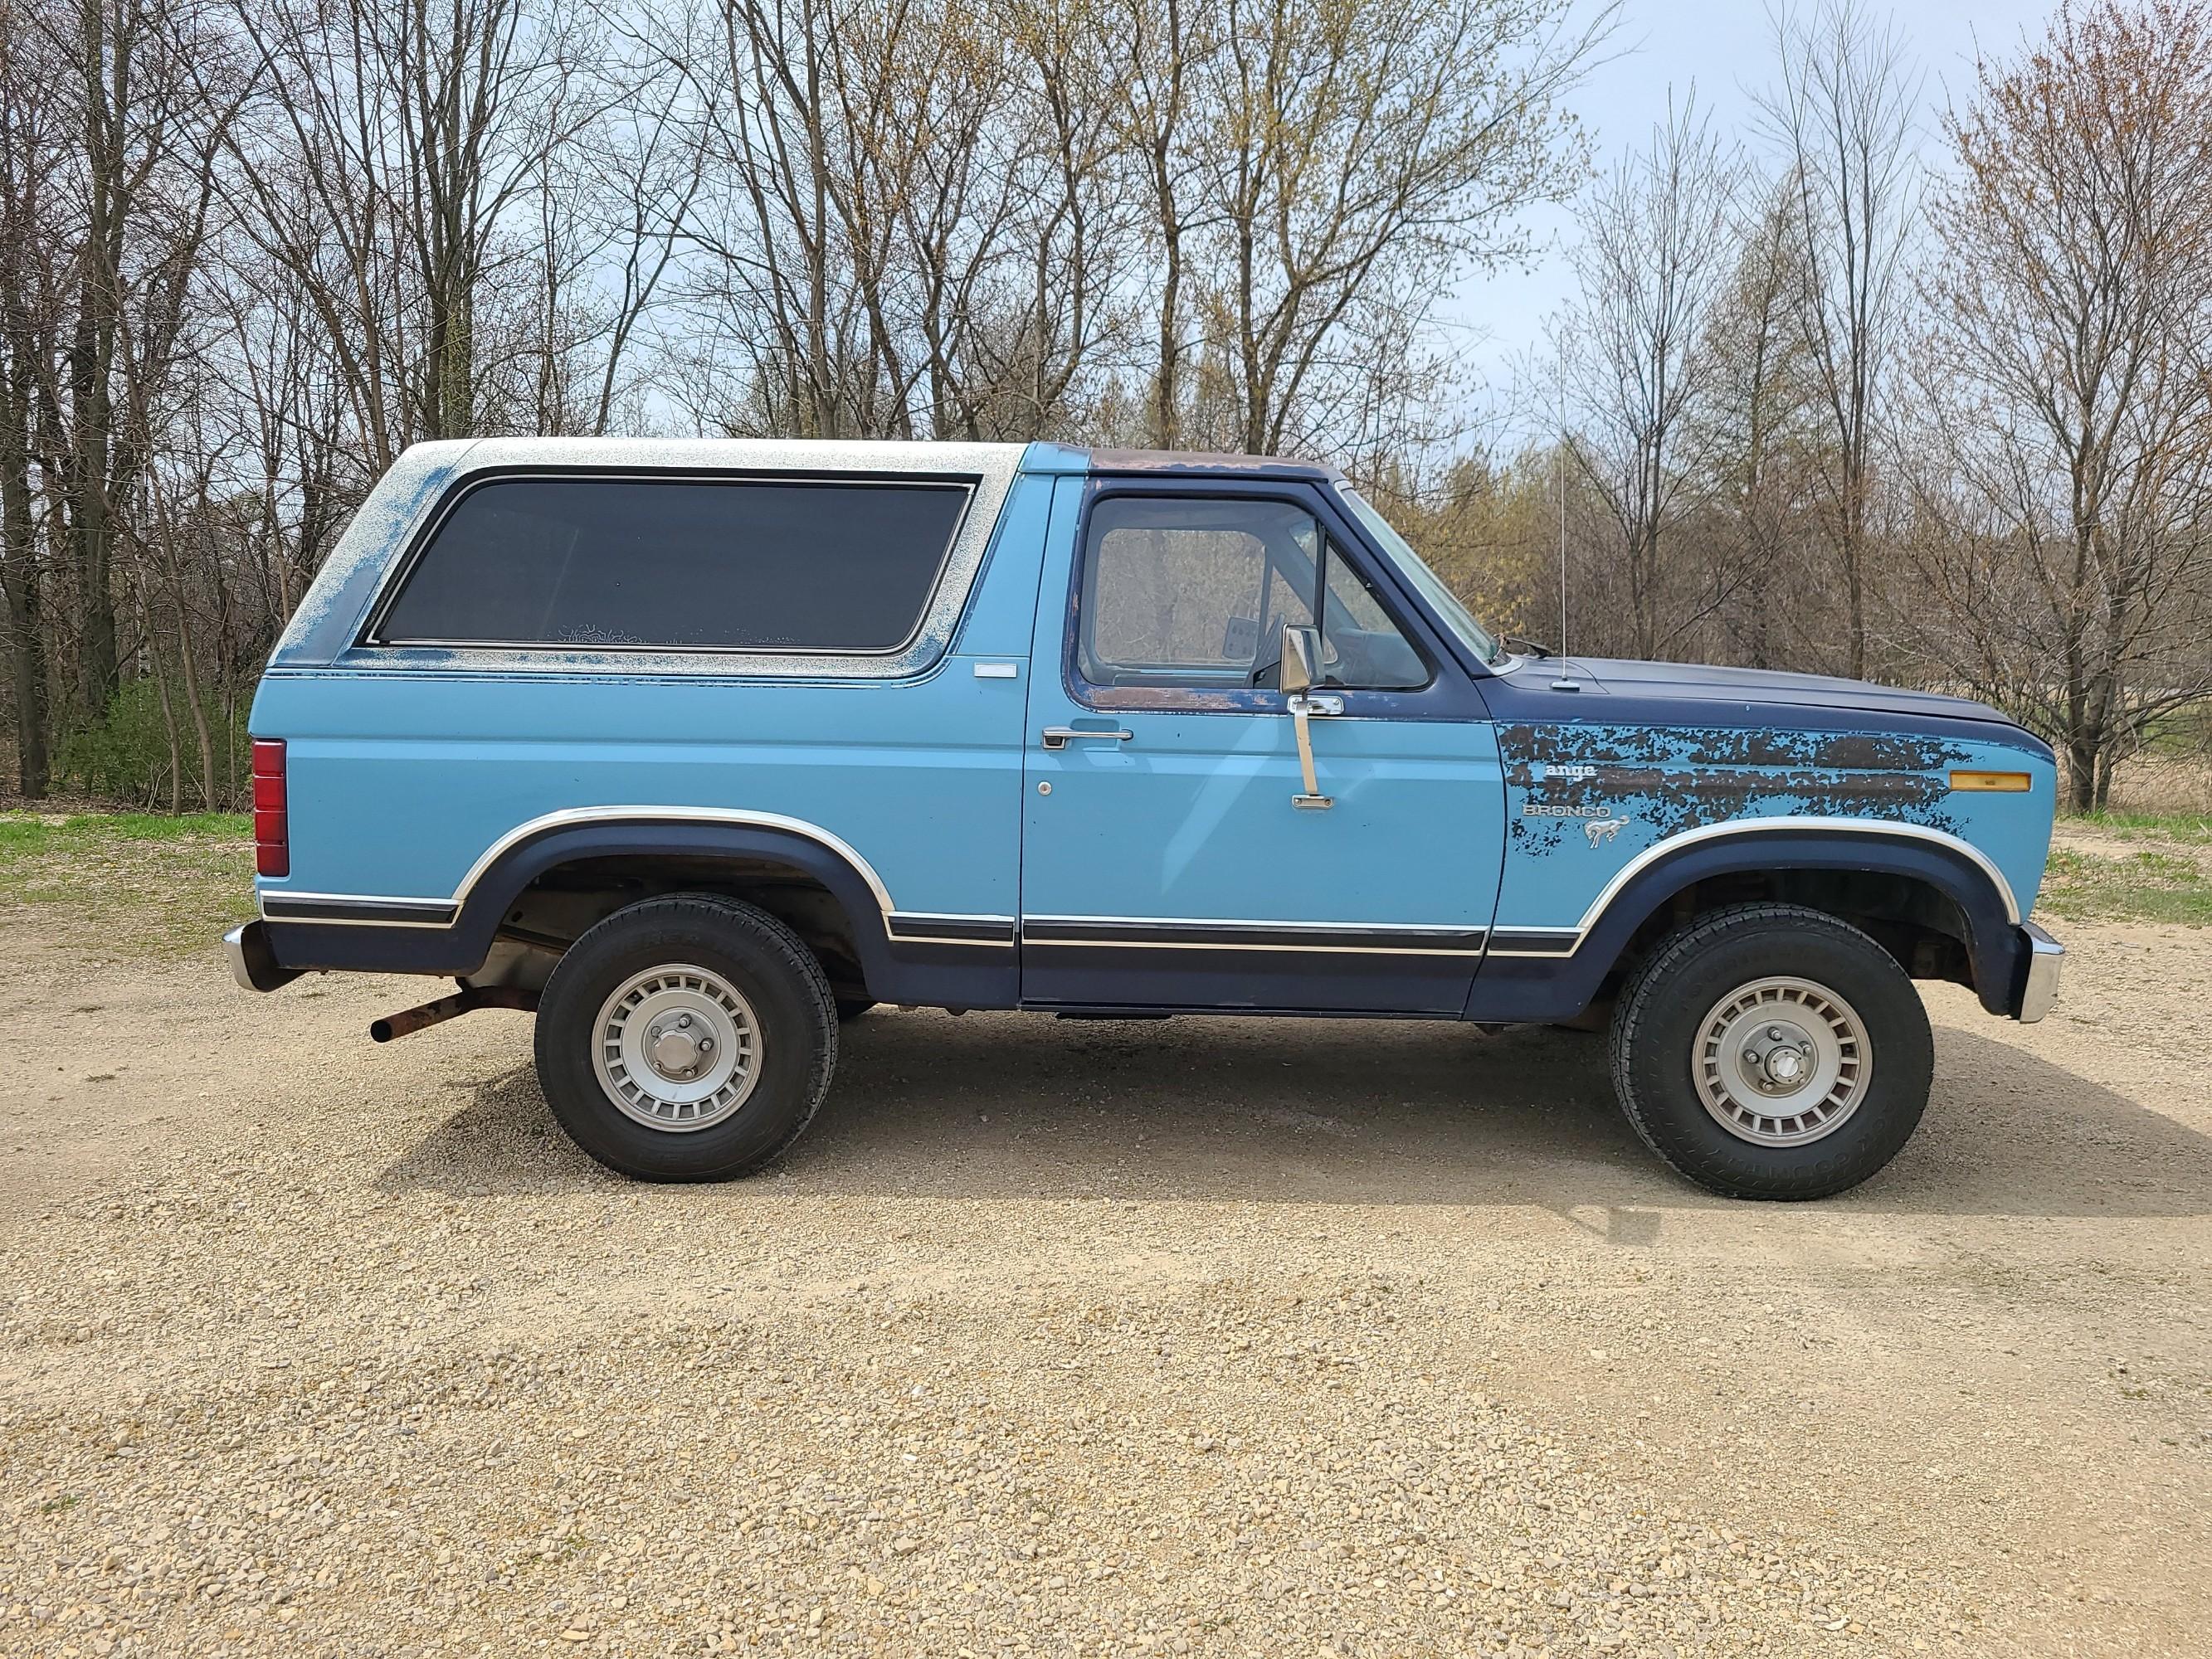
{"type": "Point", "coordinates": [679, 563]}
{"type": "Point", "coordinates": [1195, 592]}
{"type": "Point", "coordinates": [1361, 647]}
{"type": "Point", "coordinates": [1183, 593]}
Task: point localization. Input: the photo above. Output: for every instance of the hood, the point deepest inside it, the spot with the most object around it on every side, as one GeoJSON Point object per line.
{"type": "Point", "coordinates": [1752, 688]}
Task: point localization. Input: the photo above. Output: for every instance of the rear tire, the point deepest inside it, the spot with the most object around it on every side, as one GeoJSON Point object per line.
{"type": "Point", "coordinates": [690, 1037]}
{"type": "Point", "coordinates": [1772, 1052]}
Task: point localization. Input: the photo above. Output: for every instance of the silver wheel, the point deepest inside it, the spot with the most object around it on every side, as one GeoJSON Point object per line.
{"type": "Point", "coordinates": [1782, 1061]}
{"type": "Point", "coordinates": [677, 1048]}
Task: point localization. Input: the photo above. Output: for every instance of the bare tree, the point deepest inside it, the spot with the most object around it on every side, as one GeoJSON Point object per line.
{"type": "Point", "coordinates": [31, 147]}
{"type": "Point", "coordinates": [2068, 379]}
{"type": "Point", "coordinates": [1654, 261]}
{"type": "Point", "coordinates": [1356, 160]}
{"type": "Point", "coordinates": [1841, 116]}
{"type": "Point", "coordinates": [1170, 43]}
{"type": "Point", "coordinates": [377, 167]}
{"type": "Point", "coordinates": [1764, 439]}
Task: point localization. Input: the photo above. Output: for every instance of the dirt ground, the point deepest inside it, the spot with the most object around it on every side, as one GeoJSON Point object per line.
{"type": "Point", "coordinates": [1200, 1337]}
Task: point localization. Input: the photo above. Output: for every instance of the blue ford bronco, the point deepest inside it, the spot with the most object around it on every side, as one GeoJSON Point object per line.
{"type": "Point", "coordinates": [702, 748]}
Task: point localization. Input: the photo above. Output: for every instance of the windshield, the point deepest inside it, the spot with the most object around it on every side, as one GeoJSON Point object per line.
{"type": "Point", "coordinates": [1457, 616]}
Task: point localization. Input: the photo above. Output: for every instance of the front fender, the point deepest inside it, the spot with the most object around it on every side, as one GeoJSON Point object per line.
{"type": "Point", "coordinates": [1554, 974]}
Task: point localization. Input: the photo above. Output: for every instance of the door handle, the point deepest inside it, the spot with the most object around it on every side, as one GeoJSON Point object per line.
{"type": "Point", "coordinates": [1058, 737]}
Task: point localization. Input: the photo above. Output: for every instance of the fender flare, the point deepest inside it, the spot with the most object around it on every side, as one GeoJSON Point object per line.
{"type": "Point", "coordinates": [523, 856]}
{"type": "Point", "coordinates": [966, 961]}
{"type": "Point", "coordinates": [1568, 979]}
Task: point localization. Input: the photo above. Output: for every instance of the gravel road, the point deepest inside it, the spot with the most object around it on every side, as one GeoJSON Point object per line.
{"type": "Point", "coordinates": [1204, 1337]}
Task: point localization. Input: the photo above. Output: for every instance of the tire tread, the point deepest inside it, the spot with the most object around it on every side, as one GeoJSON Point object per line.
{"type": "Point", "coordinates": [1847, 1160]}
{"type": "Point", "coordinates": [677, 916]}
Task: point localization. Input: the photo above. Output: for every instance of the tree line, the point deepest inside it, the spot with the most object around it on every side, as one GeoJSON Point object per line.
{"type": "Point", "coordinates": [1813, 403]}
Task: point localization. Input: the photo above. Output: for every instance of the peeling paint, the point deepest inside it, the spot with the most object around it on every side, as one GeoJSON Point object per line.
{"type": "Point", "coordinates": [1726, 745]}
{"type": "Point", "coordinates": [1183, 698]}
{"type": "Point", "coordinates": [1657, 781]}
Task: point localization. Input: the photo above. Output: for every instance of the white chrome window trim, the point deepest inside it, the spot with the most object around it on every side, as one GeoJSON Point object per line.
{"type": "Point", "coordinates": [373, 637]}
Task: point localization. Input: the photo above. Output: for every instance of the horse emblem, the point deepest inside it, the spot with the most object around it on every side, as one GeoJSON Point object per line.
{"type": "Point", "coordinates": [1601, 830]}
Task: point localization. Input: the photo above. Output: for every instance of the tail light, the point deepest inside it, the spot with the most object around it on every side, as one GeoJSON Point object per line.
{"type": "Point", "coordinates": [272, 850]}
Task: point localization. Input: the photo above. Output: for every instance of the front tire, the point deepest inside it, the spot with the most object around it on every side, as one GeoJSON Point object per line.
{"type": "Point", "coordinates": [1770, 1051]}
{"type": "Point", "coordinates": [690, 1037]}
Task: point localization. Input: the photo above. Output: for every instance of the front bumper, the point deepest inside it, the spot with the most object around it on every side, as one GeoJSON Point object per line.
{"type": "Point", "coordinates": [2038, 984]}
{"type": "Point", "coordinates": [253, 964]}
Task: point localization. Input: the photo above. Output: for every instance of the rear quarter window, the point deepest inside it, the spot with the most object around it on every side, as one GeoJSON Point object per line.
{"type": "Point", "coordinates": [769, 565]}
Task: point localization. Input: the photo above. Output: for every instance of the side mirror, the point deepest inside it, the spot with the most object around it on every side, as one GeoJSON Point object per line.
{"type": "Point", "coordinates": [1300, 670]}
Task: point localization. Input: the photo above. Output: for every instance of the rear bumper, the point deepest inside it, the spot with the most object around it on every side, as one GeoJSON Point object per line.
{"type": "Point", "coordinates": [2039, 980]}
{"type": "Point", "coordinates": [252, 964]}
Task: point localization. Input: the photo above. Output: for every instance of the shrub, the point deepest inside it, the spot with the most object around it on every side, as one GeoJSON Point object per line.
{"type": "Point", "coordinates": [125, 755]}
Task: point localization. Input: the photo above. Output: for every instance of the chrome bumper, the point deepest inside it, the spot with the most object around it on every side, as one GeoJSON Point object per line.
{"type": "Point", "coordinates": [253, 964]}
{"type": "Point", "coordinates": [2039, 989]}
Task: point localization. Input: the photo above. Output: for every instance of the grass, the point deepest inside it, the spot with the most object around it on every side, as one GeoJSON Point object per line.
{"type": "Point", "coordinates": [40, 832]}
{"type": "Point", "coordinates": [2170, 884]}
{"type": "Point", "coordinates": [2191, 828]}
{"type": "Point", "coordinates": [138, 882]}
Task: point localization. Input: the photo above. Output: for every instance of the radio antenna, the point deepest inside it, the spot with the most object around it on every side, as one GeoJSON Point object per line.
{"type": "Point", "coordinates": [1560, 467]}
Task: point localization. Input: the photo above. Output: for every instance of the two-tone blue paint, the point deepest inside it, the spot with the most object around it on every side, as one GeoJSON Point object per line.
{"type": "Point", "coordinates": [1495, 839]}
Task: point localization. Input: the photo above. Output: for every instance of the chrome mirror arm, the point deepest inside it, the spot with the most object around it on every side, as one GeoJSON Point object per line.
{"type": "Point", "coordinates": [1301, 669]}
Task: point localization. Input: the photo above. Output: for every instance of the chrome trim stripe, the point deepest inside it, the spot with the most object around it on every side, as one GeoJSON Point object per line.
{"type": "Point", "coordinates": [1553, 942]}
{"type": "Point", "coordinates": [358, 901]}
{"type": "Point", "coordinates": [391, 913]}
{"type": "Point", "coordinates": [1109, 942]}
{"type": "Point", "coordinates": [1184, 934]}
{"type": "Point", "coordinates": [1244, 921]}
{"type": "Point", "coordinates": [914, 927]}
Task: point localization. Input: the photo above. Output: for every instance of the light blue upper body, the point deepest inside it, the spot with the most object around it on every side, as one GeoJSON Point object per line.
{"type": "Point", "coordinates": [1487, 826]}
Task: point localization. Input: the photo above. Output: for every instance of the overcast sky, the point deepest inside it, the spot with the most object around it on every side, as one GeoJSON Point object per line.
{"type": "Point", "coordinates": [1724, 48]}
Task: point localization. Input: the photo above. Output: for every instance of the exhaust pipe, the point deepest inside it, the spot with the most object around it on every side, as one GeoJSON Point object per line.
{"type": "Point", "coordinates": [466, 1001]}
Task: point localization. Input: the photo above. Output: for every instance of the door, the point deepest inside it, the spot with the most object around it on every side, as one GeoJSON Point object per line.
{"type": "Point", "coordinates": [1172, 854]}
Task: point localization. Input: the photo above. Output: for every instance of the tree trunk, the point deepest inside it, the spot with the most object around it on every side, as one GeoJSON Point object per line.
{"type": "Point", "coordinates": [92, 352]}
{"type": "Point", "coordinates": [19, 577]}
